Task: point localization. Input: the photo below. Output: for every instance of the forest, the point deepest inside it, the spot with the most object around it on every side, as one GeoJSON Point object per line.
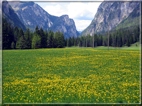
{"type": "Point", "coordinates": [16, 38]}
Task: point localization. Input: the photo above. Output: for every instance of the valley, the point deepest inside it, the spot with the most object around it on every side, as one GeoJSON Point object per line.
{"type": "Point", "coordinates": [45, 59]}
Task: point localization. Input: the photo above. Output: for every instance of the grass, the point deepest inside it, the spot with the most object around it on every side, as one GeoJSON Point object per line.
{"type": "Point", "coordinates": [71, 75]}
{"type": "Point", "coordinates": [135, 46]}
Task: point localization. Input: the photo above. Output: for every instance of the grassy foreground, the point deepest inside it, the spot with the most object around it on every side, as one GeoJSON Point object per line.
{"type": "Point", "coordinates": [71, 75]}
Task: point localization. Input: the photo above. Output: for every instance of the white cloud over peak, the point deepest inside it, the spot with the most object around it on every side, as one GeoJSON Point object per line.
{"type": "Point", "coordinates": [75, 10]}
{"type": "Point", "coordinates": [81, 12]}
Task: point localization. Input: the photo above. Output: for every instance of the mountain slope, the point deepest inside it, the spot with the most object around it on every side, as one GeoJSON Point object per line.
{"type": "Point", "coordinates": [32, 15]}
{"type": "Point", "coordinates": [9, 14]}
{"type": "Point", "coordinates": [132, 20]}
{"type": "Point", "coordinates": [66, 25]}
{"type": "Point", "coordinates": [109, 15]}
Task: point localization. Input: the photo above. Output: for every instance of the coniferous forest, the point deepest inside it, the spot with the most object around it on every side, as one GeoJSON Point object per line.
{"type": "Point", "coordinates": [16, 38]}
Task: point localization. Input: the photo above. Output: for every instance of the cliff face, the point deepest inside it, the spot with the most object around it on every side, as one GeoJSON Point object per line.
{"type": "Point", "coordinates": [66, 25]}
{"type": "Point", "coordinates": [9, 14]}
{"type": "Point", "coordinates": [132, 20]}
{"type": "Point", "coordinates": [32, 15]}
{"type": "Point", "coordinates": [109, 15]}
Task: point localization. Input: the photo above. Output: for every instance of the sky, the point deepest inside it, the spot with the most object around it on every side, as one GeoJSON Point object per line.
{"type": "Point", "coordinates": [81, 12]}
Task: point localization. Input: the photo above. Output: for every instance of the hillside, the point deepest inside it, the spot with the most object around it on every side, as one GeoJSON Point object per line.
{"type": "Point", "coordinates": [111, 14]}
{"type": "Point", "coordinates": [32, 15]}
{"type": "Point", "coordinates": [9, 14]}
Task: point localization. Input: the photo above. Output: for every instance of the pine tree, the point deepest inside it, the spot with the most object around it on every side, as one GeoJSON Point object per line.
{"type": "Point", "coordinates": [50, 39]}
{"type": "Point", "coordinates": [28, 38]}
{"type": "Point", "coordinates": [43, 38]}
{"type": "Point", "coordinates": [36, 41]}
{"type": "Point", "coordinates": [21, 43]}
{"type": "Point", "coordinates": [7, 35]}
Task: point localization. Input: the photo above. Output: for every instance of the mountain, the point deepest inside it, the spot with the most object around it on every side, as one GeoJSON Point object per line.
{"type": "Point", "coordinates": [132, 20]}
{"type": "Point", "coordinates": [66, 25]}
{"type": "Point", "coordinates": [111, 14]}
{"type": "Point", "coordinates": [9, 14]}
{"type": "Point", "coordinates": [32, 15]}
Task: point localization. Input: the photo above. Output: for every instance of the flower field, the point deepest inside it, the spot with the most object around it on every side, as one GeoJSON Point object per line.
{"type": "Point", "coordinates": [71, 75]}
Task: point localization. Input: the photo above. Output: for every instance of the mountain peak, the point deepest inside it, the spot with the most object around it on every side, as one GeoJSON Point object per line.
{"type": "Point", "coordinates": [65, 16]}
{"type": "Point", "coordinates": [32, 15]}
{"type": "Point", "coordinates": [109, 15]}
{"type": "Point", "coordinates": [66, 19]}
{"type": "Point", "coordinates": [28, 3]}
{"type": "Point", "coordinates": [9, 14]}
{"type": "Point", "coordinates": [66, 25]}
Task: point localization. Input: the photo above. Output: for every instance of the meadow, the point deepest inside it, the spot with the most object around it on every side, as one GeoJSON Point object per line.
{"type": "Point", "coordinates": [71, 75]}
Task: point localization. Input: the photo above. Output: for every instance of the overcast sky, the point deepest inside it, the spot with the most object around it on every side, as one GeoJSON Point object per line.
{"type": "Point", "coordinates": [81, 12]}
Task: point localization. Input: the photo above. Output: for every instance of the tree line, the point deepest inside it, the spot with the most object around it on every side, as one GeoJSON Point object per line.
{"type": "Point", "coordinates": [16, 38]}
{"type": "Point", "coordinates": [115, 38]}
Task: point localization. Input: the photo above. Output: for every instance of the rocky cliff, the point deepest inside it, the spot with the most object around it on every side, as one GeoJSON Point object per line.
{"type": "Point", "coordinates": [32, 15]}
{"type": "Point", "coordinates": [66, 25]}
{"type": "Point", "coordinates": [109, 15]}
{"type": "Point", "coordinates": [9, 14]}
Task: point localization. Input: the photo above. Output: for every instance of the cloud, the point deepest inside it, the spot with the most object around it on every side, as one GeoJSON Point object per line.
{"type": "Point", "coordinates": [56, 8]}
{"type": "Point", "coordinates": [82, 24]}
{"type": "Point", "coordinates": [75, 10]}
{"type": "Point", "coordinates": [85, 10]}
{"type": "Point", "coordinates": [82, 12]}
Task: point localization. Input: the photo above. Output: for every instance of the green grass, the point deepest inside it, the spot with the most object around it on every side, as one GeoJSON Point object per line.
{"type": "Point", "coordinates": [71, 75]}
{"type": "Point", "coordinates": [118, 48]}
{"type": "Point", "coordinates": [135, 46]}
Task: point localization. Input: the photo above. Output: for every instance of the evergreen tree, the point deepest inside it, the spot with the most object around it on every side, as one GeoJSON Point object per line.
{"type": "Point", "coordinates": [59, 41]}
{"type": "Point", "coordinates": [16, 34]}
{"type": "Point", "coordinates": [37, 30]}
{"type": "Point", "coordinates": [36, 41]}
{"type": "Point", "coordinates": [43, 38]}
{"type": "Point", "coordinates": [69, 42]}
{"type": "Point", "coordinates": [7, 35]}
{"type": "Point", "coordinates": [50, 39]}
{"type": "Point", "coordinates": [21, 33]}
{"type": "Point", "coordinates": [95, 40]}
{"type": "Point", "coordinates": [21, 43]}
{"type": "Point", "coordinates": [13, 45]}
{"type": "Point", "coordinates": [28, 38]}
